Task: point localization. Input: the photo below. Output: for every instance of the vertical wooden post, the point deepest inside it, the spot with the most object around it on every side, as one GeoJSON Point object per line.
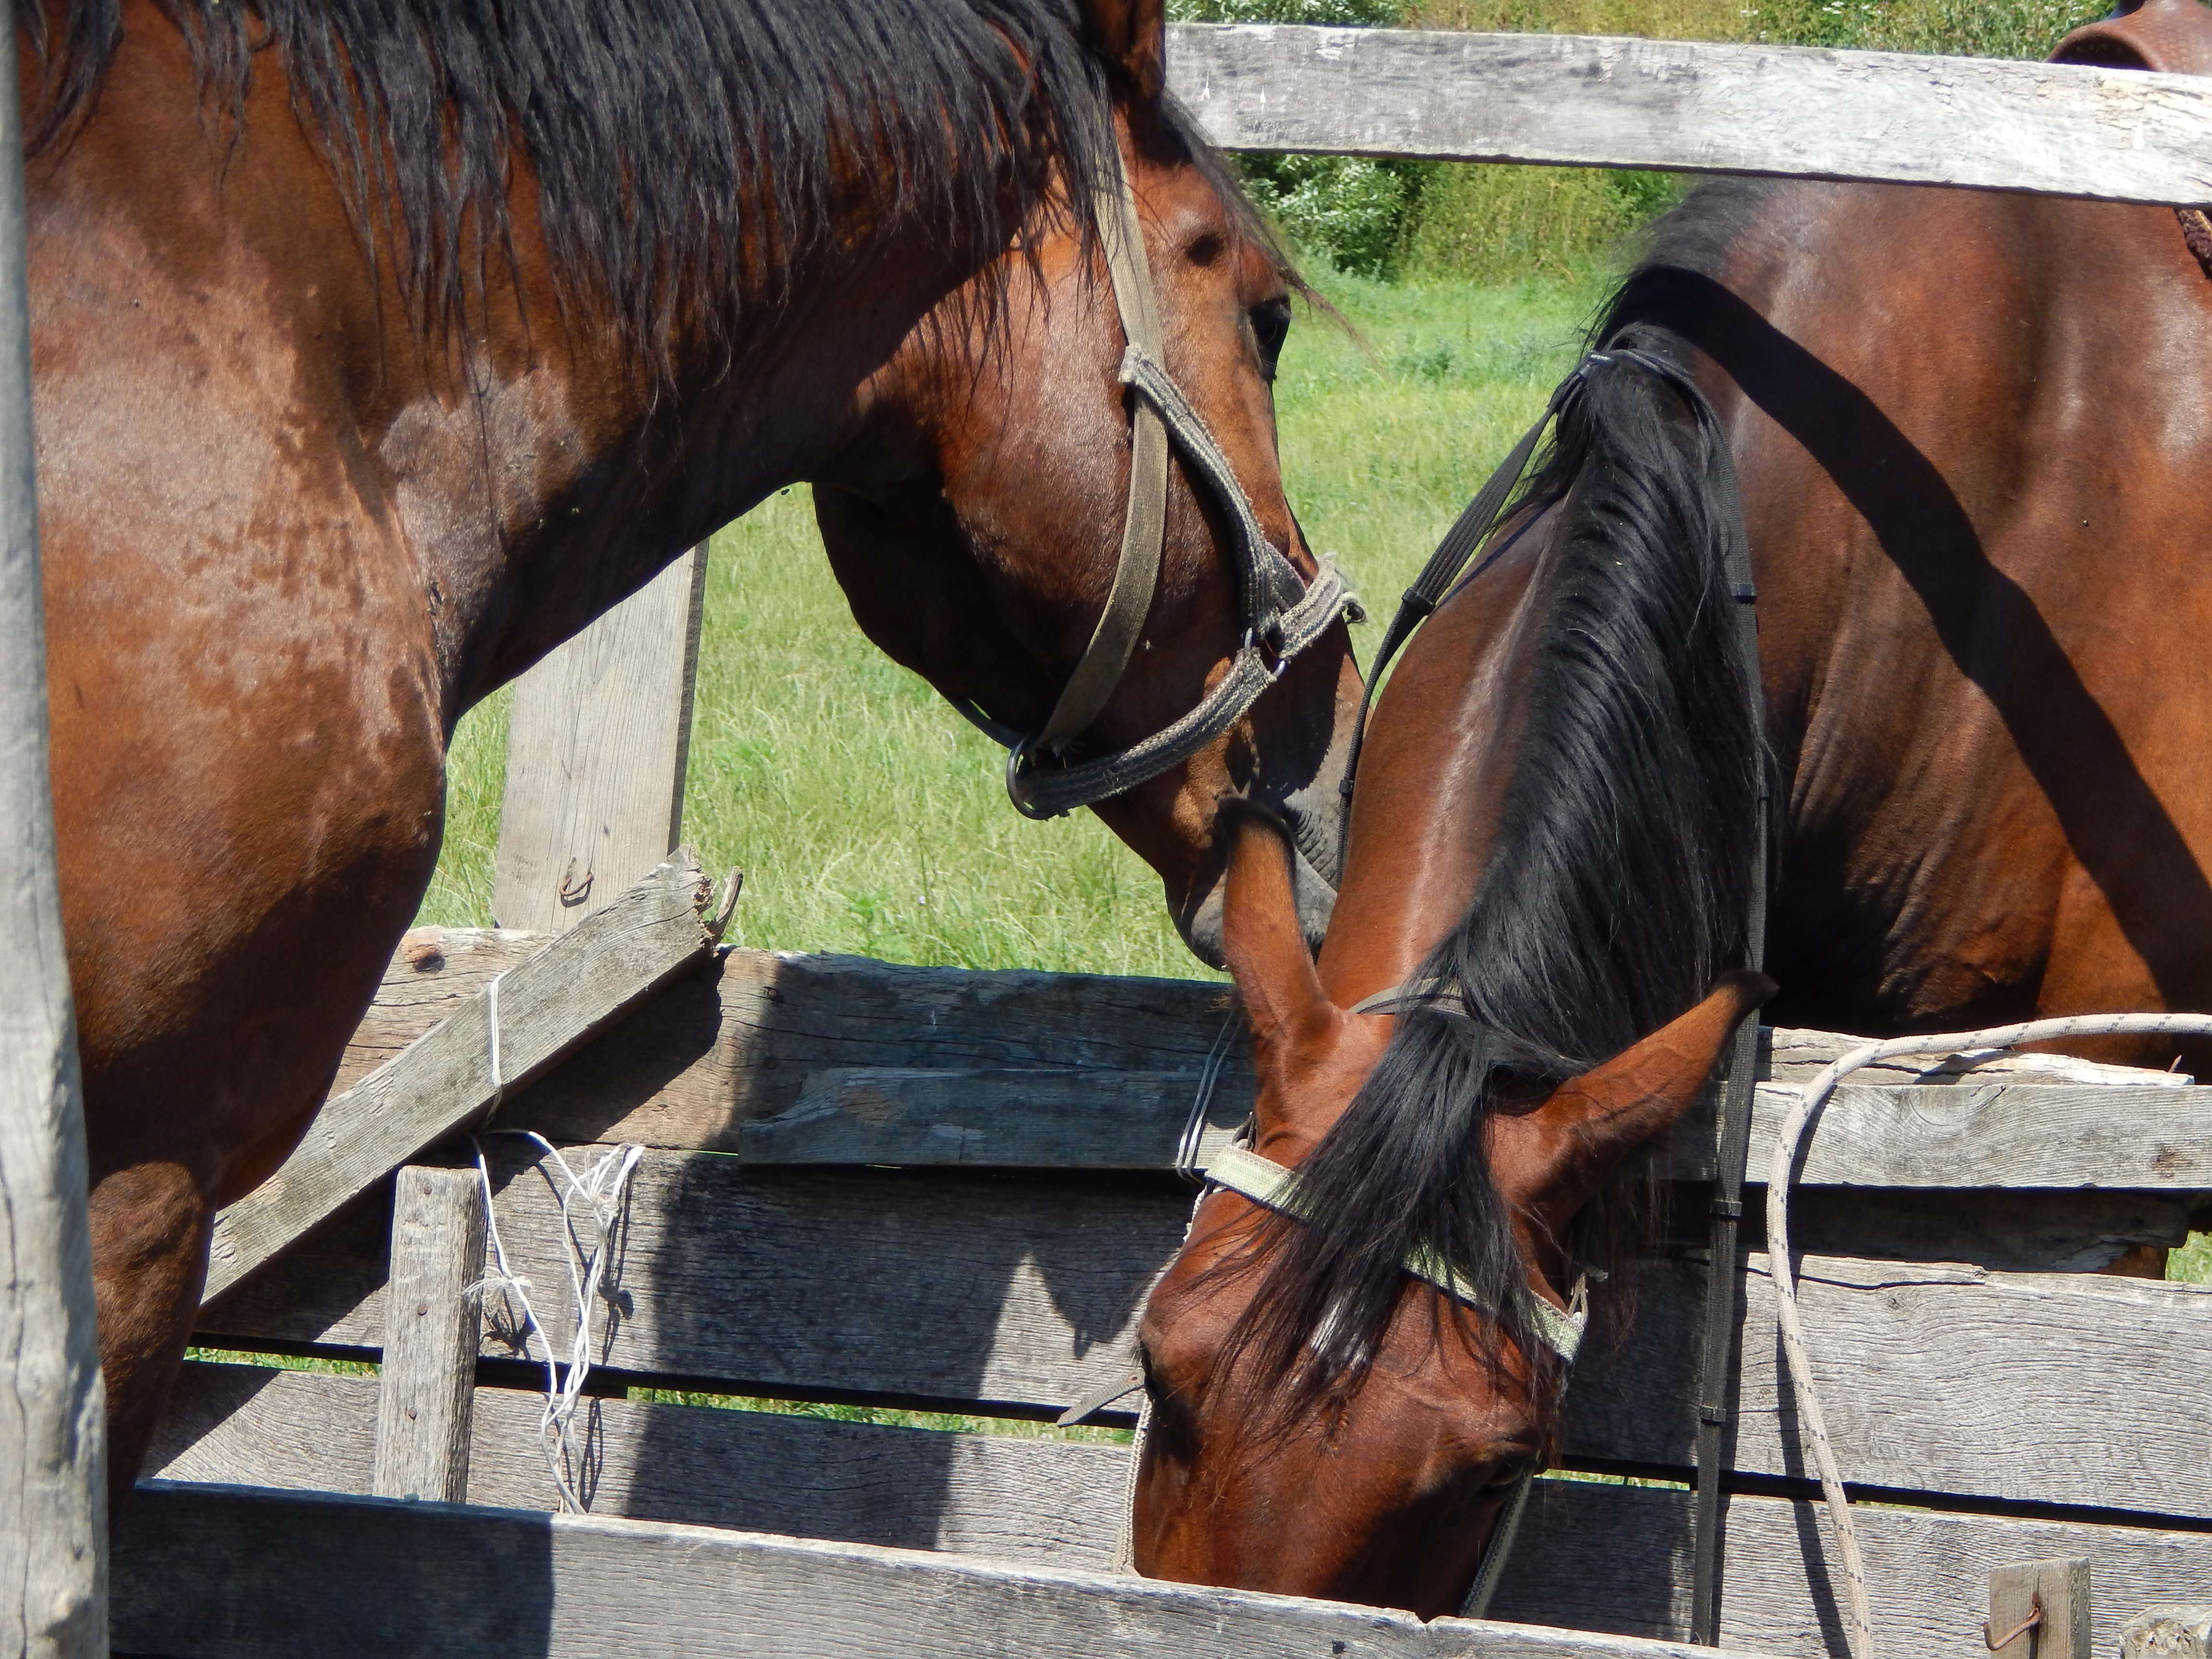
{"type": "Point", "coordinates": [595, 751]}
{"type": "Point", "coordinates": [2060, 1590]}
{"type": "Point", "coordinates": [53, 1418]}
{"type": "Point", "coordinates": [427, 1386]}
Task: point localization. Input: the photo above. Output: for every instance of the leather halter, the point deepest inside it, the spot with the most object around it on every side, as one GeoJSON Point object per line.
{"type": "Point", "coordinates": [1283, 613]}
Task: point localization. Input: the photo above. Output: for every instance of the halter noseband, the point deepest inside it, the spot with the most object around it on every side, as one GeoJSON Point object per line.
{"type": "Point", "coordinates": [1283, 613]}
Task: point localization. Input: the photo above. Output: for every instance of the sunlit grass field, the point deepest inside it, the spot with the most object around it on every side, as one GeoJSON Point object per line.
{"type": "Point", "coordinates": [869, 818]}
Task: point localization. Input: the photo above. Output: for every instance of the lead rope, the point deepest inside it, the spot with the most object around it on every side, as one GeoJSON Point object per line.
{"type": "Point", "coordinates": [1788, 1141]}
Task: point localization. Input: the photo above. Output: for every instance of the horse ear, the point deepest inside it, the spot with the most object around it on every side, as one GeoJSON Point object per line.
{"type": "Point", "coordinates": [1133, 33]}
{"type": "Point", "coordinates": [1261, 937]}
{"type": "Point", "coordinates": [1551, 1161]}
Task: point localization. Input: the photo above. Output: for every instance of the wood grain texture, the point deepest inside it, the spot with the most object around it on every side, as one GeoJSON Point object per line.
{"type": "Point", "coordinates": [691, 1068]}
{"type": "Point", "coordinates": [1616, 1558]}
{"type": "Point", "coordinates": [2061, 1389]}
{"type": "Point", "coordinates": [53, 1499]}
{"type": "Point", "coordinates": [232, 1573]}
{"type": "Point", "coordinates": [1067, 1118]}
{"type": "Point", "coordinates": [250, 1426]}
{"type": "Point", "coordinates": [860, 1483]}
{"type": "Point", "coordinates": [433, 1324]}
{"type": "Point", "coordinates": [433, 972]}
{"type": "Point", "coordinates": [548, 1004]}
{"type": "Point", "coordinates": [1594, 1556]}
{"type": "Point", "coordinates": [975, 1289]}
{"type": "Point", "coordinates": [1580, 101]}
{"type": "Point", "coordinates": [1967, 1135]}
{"type": "Point", "coordinates": [595, 753]}
{"type": "Point", "coordinates": [2172, 1629]}
{"type": "Point", "coordinates": [700, 1063]}
{"type": "Point", "coordinates": [2048, 1602]}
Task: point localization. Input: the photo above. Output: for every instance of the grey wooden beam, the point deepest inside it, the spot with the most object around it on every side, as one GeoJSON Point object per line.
{"type": "Point", "coordinates": [53, 1496]}
{"type": "Point", "coordinates": [238, 1573]}
{"type": "Point", "coordinates": [596, 745]}
{"type": "Point", "coordinates": [977, 1290]}
{"type": "Point", "coordinates": [1030, 1118]}
{"type": "Point", "coordinates": [433, 1324]}
{"type": "Point", "coordinates": [1689, 106]}
{"type": "Point", "coordinates": [443, 1081]}
{"type": "Point", "coordinates": [1595, 1555]}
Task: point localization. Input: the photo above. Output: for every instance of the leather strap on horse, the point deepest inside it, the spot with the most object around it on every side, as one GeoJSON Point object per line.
{"type": "Point", "coordinates": [1284, 614]}
{"type": "Point", "coordinates": [1716, 1369]}
{"type": "Point", "coordinates": [1438, 576]}
{"type": "Point", "coordinates": [1732, 1140]}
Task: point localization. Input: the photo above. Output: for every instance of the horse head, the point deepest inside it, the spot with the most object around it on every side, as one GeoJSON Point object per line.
{"type": "Point", "coordinates": [998, 485]}
{"type": "Point", "coordinates": [1383, 1482]}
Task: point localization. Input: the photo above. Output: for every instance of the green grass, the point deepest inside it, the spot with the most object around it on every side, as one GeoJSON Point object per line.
{"type": "Point", "coordinates": [868, 817]}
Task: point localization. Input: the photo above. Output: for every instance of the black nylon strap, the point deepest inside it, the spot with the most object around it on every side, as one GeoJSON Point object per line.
{"type": "Point", "coordinates": [1716, 1371]}
{"type": "Point", "coordinates": [1438, 576]}
{"type": "Point", "coordinates": [1716, 1401]}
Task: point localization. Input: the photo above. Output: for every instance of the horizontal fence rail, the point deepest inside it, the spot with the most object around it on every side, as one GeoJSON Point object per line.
{"type": "Point", "coordinates": [1688, 107]}
{"type": "Point", "coordinates": [429, 1580]}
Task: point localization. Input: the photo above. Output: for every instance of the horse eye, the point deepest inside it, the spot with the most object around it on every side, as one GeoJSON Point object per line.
{"type": "Point", "coordinates": [1271, 326]}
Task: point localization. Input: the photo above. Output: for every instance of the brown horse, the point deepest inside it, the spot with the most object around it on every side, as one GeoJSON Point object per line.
{"type": "Point", "coordinates": [380, 347]}
{"type": "Point", "coordinates": [1970, 448]}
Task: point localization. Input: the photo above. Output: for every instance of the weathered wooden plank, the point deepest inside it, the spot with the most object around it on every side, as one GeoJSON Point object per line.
{"type": "Point", "coordinates": [53, 1525]}
{"type": "Point", "coordinates": [2021, 1232]}
{"type": "Point", "coordinates": [433, 1325]}
{"type": "Point", "coordinates": [248, 1425]}
{"type": "Point", "coordinates": [595, 752]}
{"type": "Point", "coordinates": [1582, 100]}
{"type": "Point", "coordinates": [433, 972]}
{"type": "Point", "coordinates": [690, 1069]}
{"type": "Point", "coordinates": [239, 1573]}
{"type": "Point", "coordinates": [1968, 1134]}
{"type": "Point", "coordinates": [1616, 1558]}
{"type": "Point", "coordinates": [972, 1289]}
{"type": "Point", "coordinates": [696, 1066]}
{"type": "Point", "coordinates": [1067, 1118]}
{"type": "Point", "coordinates": [1596, 1556]}
{"type": "Point", "coordinates": [2172, 1629]}
{"type": "Point", "coordinates": [2047, 1603]}
{"type": "Point", "coordinates": [547, 1006]}
{"type": "Point", "coordinates": [859, 1483]}
{"type": "Point", "coordinates": [2062, 1388]}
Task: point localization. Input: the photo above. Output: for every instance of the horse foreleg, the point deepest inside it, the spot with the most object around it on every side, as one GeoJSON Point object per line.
{"type": "Point", "coordinates": [150, 1227]}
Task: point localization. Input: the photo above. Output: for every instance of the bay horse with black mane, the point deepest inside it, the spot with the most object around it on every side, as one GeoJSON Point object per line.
{"type": "Point", "coordinates": [381, 346]}
{"type": "Point", "coordinates": [1972, 455]}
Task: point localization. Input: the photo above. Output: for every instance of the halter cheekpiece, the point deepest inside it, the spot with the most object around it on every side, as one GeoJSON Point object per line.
{"type": "Point", "coordinates": [1283, 613]}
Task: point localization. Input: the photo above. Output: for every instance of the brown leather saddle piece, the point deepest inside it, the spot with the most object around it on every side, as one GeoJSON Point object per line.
{"type": "Point", "coordinates": [2172, 36]}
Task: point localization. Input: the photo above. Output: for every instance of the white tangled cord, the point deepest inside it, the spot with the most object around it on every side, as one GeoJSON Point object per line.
{"type": "Point", "coordinates": [1787, 1142]}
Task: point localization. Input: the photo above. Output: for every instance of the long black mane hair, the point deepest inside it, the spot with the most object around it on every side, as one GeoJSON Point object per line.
{"type": "Point", "coordinates": [689, 156]}
{"type": "Point", "coordinates": [1616, 889]}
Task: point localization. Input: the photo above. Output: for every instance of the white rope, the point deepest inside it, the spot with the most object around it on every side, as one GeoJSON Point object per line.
{"type": "Point", "coordinates": [1787, 1142]}
{"type": "Point", "coordinates": [492, 1045]}
{"type": "Point", "coordinates": [605, 1190]}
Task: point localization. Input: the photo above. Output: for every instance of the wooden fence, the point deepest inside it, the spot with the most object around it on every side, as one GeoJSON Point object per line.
{"type": "Point", "coordinates": [951, 1189]}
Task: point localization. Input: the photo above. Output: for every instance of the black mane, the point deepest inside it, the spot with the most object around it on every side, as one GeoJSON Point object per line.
{"type": "Point", "coordinates": [692, 155]}
{"type": "Point", "coordinates": [1614, 894]}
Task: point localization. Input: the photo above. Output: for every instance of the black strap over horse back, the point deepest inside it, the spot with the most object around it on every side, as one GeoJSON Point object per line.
{"type": "Point", "coordinates": [1732, 1140]}
{"type": "Point", "coordinates": [1437, 577]}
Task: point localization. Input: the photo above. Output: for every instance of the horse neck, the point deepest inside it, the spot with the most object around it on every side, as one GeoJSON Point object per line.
{"type": "Point", "coordinates": [1440, 750]}
{"type": "Point", "coordinates": [589, 473]}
